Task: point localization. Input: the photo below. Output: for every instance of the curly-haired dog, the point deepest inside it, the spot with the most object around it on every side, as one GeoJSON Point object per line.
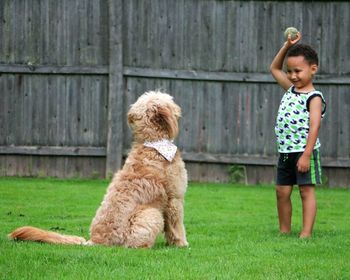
{"type": "Point", "coordinates": [146, 197]}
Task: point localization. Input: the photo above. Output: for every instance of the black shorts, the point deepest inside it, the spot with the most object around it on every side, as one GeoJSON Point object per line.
{"type": "Point", "coordinates": [287, 171]}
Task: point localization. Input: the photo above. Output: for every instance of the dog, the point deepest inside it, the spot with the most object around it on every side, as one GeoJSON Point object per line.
{"type": "Point", "coordinates": [146, 197]}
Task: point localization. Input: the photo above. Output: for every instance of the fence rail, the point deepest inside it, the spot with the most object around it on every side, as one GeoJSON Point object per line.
{"type": "Point", "coordinates": [327, 79]}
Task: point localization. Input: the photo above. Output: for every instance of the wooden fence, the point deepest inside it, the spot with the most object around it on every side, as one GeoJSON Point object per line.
{"type": "Point", "coordinates": [70, 69]}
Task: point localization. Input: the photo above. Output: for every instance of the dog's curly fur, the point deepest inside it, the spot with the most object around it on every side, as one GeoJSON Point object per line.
{"type": "Point", "coordinates": [146, 197]}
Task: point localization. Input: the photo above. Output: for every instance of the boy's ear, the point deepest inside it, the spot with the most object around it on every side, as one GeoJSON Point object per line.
{"type": "Point", "coordinates": [314, 68]}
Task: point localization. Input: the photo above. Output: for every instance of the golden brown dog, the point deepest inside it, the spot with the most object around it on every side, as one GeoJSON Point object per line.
{"type": "Point", "coordinates": [146, 197]}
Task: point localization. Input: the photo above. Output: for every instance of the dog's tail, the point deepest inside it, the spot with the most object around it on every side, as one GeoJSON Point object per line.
{"type": "Point", "coordinates": [35, 234]}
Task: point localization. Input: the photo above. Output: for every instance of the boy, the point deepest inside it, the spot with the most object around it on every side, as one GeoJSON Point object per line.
{"type": "Point", "coordinates": [297, 126]}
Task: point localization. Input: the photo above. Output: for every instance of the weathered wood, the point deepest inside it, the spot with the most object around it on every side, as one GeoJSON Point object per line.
{"type": "Point", "coordinates": [115, 88]}
{"type": "Point", "coordinates": [327, 79]}
{"type": "Point", "coordinates": [197, 75]}
{"type": "Point", "coordinates": [250, 159]}
{"type": "Point", "coordinates": [69, 71]}
{"type": "Point", "coordinates": [223, 76]}
{"type": "Point", "coordinates": [53, 69]}
{"type": "Point", "coordinates": [54, 110]}
{"type": "Point", "coordinates": [52, 166]}
{"type": "Point", "coordinates": [53, 151]}
{"type": "Point", "coordinates": [254, 159]}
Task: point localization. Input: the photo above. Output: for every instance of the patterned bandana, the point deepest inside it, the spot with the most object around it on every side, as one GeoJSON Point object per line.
{"type": "Point", "coordinates": [165, 147]}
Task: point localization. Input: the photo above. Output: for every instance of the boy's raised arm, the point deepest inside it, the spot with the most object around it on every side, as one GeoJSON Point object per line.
{"type": "Point", "coordinates": [277, 63]}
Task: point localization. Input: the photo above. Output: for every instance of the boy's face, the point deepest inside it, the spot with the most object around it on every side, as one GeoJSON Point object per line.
{"type": "Point", "coordinates": [300, 72]}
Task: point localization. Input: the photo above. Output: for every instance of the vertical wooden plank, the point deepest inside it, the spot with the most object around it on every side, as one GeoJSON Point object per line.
{"type": "Point", "coordinates": [129, 98]}
{"type": "Point", "coordinates": [82, 33]}
{"type": "Point", "coordinates": [36, 32]}
{"type": "Point", "coordinates": [45, 26]}
{"type": "Point", "coordinates": [115, 88]}
{"type": "Point", "coordinates": [94, 107]}
{"type": "Point", "coordinates": [74, 100]}
{"type": "Point", "coordinates": [2, 109]}
{"type": "Point", "coordinates": [96, 102]}
{"type": "Point", "coordinates": [2, 33]}
{"type": "Point", "coordinates": [203, 116]}
{"type": "Point", "coordinates": [343, 126]}
{"type": "Point", "coordinates": [12, 33]}
{"type": "Point", "coordinates": [61, 110]}
{"type": "Point", "coordinates": [227, 119]}
{"type": "Point", "coordinates": [58, 24]}
{"type": "Point", "coordinates": [159, 9]}
{"type": "Point", "coordinates": [69, 15]}
{"type": "Point", "coordinates": [95, 22]}
{"type": "Point", "coordinates": [102, 117]}
{"type": "Point", "coordinates": [345, 42]}
{"type": "Point", "coordinates": [51, 112]}
{"type": "Point", "coordinates": [18, 93]}
{"type": "Point", "coordinates": [11, 111]}
{"type": "Point", "coordinates": [51, 36]}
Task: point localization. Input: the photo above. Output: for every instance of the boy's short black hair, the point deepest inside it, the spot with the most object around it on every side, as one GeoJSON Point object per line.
{"type": "Point", "coordinates": [304, 50]}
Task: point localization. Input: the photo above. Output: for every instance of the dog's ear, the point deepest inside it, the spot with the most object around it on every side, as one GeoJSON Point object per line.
{"type": "Point", "coordinates": [165, 118]}
{"type": "Point", "coordinates": [131, 118]}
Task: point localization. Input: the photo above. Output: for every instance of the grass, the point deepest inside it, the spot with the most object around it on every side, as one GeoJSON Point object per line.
{"type": "Point", "coordinates": [232, 231]}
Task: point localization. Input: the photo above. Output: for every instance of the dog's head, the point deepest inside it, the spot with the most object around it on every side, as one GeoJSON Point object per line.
{"type": "Point", "coordinates": [154, 116]}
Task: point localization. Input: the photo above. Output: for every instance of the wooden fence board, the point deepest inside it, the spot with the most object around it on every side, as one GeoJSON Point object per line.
{"type": "Point", "coordinates": [115, 89]}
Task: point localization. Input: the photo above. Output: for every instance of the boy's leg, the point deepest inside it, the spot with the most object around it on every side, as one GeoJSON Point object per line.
{"type": "Point", "coordinates": [284, 207]}
{"type": "Point", "coordinates": [308, 199]}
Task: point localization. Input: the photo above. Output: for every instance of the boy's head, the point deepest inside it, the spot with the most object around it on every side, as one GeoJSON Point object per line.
{"type": "Point", "coordinates": [309, 54]}
{"type": "Point", "coordinates": [302, 65]}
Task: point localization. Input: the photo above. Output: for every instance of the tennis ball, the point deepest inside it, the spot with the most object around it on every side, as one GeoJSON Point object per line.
{"type": "Point", "coordinates": [292, 31]}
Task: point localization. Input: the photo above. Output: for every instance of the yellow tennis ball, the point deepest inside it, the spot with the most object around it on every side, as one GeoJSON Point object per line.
{"type": "Point", "coordinates": [292, 31]}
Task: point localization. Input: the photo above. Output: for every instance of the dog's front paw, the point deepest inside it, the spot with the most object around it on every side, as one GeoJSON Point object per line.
{"type": "Point", "coordinates": [183, 243]}
{"type": "Point", "coordinates": [179, 243]}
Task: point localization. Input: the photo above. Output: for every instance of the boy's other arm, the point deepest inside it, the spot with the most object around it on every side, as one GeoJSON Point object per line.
{"type": "Point", "coordinates": [315, 108]}
{"type": "Point", "coordinates": [277, 63]}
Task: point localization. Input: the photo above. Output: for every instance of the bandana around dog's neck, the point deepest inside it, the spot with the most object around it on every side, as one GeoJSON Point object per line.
{"type": "Point", "coordinates": [165, 147]}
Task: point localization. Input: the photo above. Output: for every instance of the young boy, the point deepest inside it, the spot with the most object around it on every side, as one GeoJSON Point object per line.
{"type": "Point", "coordinates": [297, 126]}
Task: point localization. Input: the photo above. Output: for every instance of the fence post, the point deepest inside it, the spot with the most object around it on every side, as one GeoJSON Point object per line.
{"type": "Point", "coordinates": [115, 88]}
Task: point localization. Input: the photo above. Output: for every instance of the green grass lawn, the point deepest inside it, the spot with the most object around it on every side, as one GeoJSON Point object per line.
{"type": "Point", "coordinates": [232, 231]}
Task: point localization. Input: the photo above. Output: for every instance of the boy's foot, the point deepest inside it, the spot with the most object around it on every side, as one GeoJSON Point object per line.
{"type": "Point", "coordinates": [304, 235]}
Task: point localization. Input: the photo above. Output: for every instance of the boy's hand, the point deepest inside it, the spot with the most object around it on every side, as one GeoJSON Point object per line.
{"type": "Point", "coordinates": [303, 164]}
{"type": "Point", "coordinates": [291, 42]}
